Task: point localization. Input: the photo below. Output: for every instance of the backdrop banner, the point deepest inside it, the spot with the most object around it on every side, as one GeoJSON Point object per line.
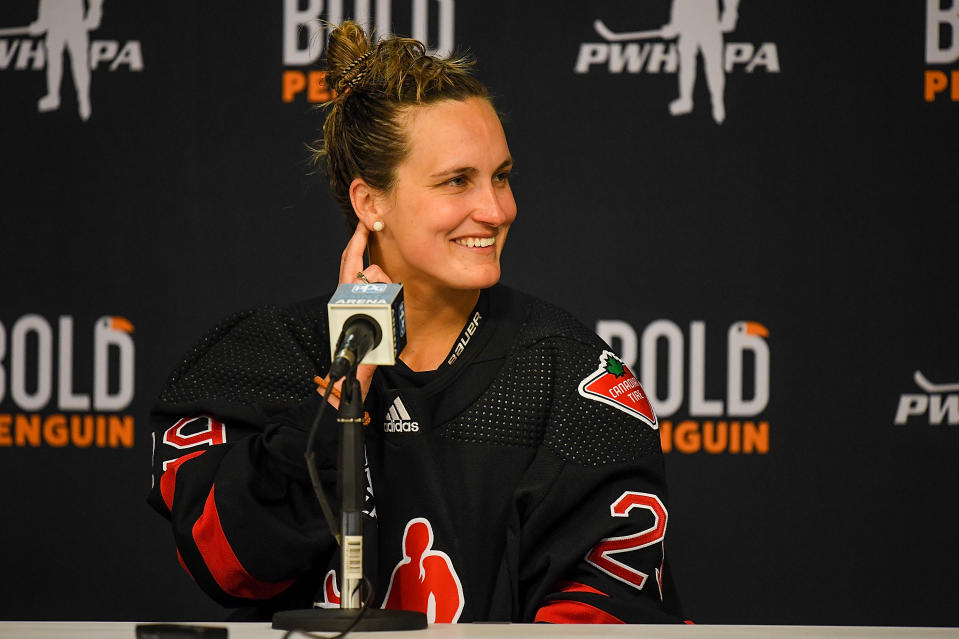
{"type": "Point", "coordinates": [754, 203]}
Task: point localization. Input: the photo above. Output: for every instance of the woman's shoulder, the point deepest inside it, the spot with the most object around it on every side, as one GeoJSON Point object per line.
{"type": "Point", "coordinates": [543, 320]}
{"type": "Point", "coordinates": [594, 401]}
{"type": "Point", "coordinates": [266, 353]}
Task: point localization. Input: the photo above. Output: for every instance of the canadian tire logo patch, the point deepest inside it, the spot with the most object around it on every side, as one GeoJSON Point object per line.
{"type": "Point", "coordinates": [614, 384]}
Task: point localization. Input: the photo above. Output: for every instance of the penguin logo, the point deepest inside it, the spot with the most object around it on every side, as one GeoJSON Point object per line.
{"type": "Point", "coordinates": [113, 333]}
{"type": "Point", "coordinates": [742, 337]}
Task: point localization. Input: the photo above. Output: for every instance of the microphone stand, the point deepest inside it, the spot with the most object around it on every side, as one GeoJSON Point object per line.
{"type": "Point", "coordinates": [351, 487]}
{"type": "Point", "coordinates": [352, 614]}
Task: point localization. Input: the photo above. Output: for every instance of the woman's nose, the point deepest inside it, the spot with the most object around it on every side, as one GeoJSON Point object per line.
{"type": "Point", "coordinates": [495, 207]}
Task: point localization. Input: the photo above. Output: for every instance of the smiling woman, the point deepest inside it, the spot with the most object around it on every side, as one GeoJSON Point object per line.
{"type": "Point", "coordinates": [448, 214]}
{"type": "Point", "coordinates": [514, 464]}
{"type": "Point", "coordinates": [413, 147]}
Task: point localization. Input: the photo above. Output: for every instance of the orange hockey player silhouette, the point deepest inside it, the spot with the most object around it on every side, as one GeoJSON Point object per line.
{"type": "Point", "coordinates": [425, 579]}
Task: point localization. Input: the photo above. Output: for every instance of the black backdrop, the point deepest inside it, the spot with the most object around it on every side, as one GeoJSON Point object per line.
{"type": "Point", "coordinates": [822, 208]}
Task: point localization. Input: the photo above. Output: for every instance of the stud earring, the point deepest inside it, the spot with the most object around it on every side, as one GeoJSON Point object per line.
{"type": "Point", "coordinates": [378, 225]}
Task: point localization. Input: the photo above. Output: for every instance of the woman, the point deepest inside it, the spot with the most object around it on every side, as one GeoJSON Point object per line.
{"type": "Point", "coordinates": [514, 463]}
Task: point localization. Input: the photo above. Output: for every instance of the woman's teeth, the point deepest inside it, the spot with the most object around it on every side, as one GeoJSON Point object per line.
{"type": "Point", "coordinates": [473, 242]}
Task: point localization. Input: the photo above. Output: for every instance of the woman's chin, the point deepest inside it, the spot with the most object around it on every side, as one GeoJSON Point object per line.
{"type": "Point", "coordinates": [485, 279]}
{"type": "Point", "coordinates": [475, 283]}
{"type": "Point", "coordinates": [473, 278]}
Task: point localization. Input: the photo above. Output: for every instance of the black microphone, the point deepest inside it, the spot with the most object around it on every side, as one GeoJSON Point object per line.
{"type": "Point", "coordinates": [360, 335]}
{"type": "Point", "coordinates": [367, 325]}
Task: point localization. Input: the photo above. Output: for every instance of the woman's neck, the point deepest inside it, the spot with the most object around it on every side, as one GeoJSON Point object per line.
{"type": "Point", "coordinates": [434, 319]}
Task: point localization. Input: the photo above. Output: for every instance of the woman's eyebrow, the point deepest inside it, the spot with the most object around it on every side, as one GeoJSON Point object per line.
{"type": "Point", "coordinates": [463, 169]}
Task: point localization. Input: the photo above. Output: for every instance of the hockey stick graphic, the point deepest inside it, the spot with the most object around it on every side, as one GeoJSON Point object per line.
{"type": "Point", "coordinates": [929, 387]}
{"type": "Point", "coordinates": [15, 31]}
{"type": "Point", "coordinates": [612, 36]}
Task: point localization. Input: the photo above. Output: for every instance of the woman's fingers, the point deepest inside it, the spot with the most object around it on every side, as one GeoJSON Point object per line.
{"type": "Point", "coordinates": [375, 274]}
{"type": "Point", "coordinates": [351, 267]}
{"type": "Point", "coordinates": [352, 261]}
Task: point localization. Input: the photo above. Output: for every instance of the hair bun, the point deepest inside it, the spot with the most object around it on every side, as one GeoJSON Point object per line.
{"type": "Point", "coordinates": [347, 54]}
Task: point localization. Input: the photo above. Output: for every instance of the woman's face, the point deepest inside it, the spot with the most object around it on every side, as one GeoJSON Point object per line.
{"type": "Point", "coordinates": [447, 216]}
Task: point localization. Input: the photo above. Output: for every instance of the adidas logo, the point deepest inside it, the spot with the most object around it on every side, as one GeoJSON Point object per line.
{"type": "Point", "coordinates": [398, 419]}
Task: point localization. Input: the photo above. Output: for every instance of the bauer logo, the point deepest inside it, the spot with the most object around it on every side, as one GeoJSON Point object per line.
{"type": "Point", "coordinates": [305, 31]}
{"type": "Point", "coordinates": [695, 29]}
{"type": "Point", "coordinates": [679, 375]}
{"type": "Point", "coordinates": [942, 51]}
{"type": "Point", "coordinates": [64, 382]}
{"type": "Point", "coordinates": [59, 43]}
{"type": "Point", "coordinates": [935, 404]}
{"type": "Point", "coordinates": [460, 346]}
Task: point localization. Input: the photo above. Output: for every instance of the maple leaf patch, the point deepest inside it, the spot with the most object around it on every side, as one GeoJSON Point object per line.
{"type": "Point", "coordinates": [613, 384]}
{"type": "Point", "coordinates": [614, 367]}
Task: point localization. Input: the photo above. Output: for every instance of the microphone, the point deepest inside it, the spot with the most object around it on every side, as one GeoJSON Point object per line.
{"type": "Point", "coordinates": [367, 324]}
{"type": "Point", "coordinates": [360, 334]}
{"type": "Point", "coordinates": [370, 320]}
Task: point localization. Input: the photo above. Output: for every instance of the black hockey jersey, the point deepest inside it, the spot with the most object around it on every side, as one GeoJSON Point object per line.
{"type": "Point", "coordinates": [521, 481]}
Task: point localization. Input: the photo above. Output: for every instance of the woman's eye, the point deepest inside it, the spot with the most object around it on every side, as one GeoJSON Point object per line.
{"type": "Point", "coordinates": [503, 177]}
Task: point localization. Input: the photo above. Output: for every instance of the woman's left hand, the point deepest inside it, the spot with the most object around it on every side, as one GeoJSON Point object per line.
{"type": "Point", "coordinates": [351, 266]}
{"type": "Point", "coordinates": [351, 263]}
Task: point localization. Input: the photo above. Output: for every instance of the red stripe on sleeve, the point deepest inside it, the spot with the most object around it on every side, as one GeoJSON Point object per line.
{"type": "Point", "coordinates": [575, 586]}
{"type": "Point", "coordinates": [573, 612]}
{"type": "Point", "coordinates": [168, 478]}
{"type": "Point", "coordinates": [227, 571]}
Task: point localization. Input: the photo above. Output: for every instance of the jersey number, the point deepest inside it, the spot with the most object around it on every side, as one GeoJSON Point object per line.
{"type": "Point", "coordinates": [214, 433]}
{"type": "Point", "coordinates": [602, 555]}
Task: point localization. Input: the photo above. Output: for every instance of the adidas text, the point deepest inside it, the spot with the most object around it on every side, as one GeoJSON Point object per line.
{"type": "Point", "coordinates": [401, 426]}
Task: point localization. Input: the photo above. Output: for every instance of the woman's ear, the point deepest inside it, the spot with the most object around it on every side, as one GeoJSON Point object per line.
{"type": "Point", "coordinates": [366, 202]}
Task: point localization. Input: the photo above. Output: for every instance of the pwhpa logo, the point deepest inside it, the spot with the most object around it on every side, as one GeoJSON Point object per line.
{"type": "Point", "coordinates": [942, 48]}
{"type": "Point", "coordinates": [696, 28]}
{"type": "Point", "coordinates": [66, 386]}
{"type": "Point", "coordinates": [62, 31]}
{"type": "Point", "coordinates": [938, 403]}
{"type": "Point", "coordinates": [306, 25]}
{"type": "Point", "coordinates": [674, 369]}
